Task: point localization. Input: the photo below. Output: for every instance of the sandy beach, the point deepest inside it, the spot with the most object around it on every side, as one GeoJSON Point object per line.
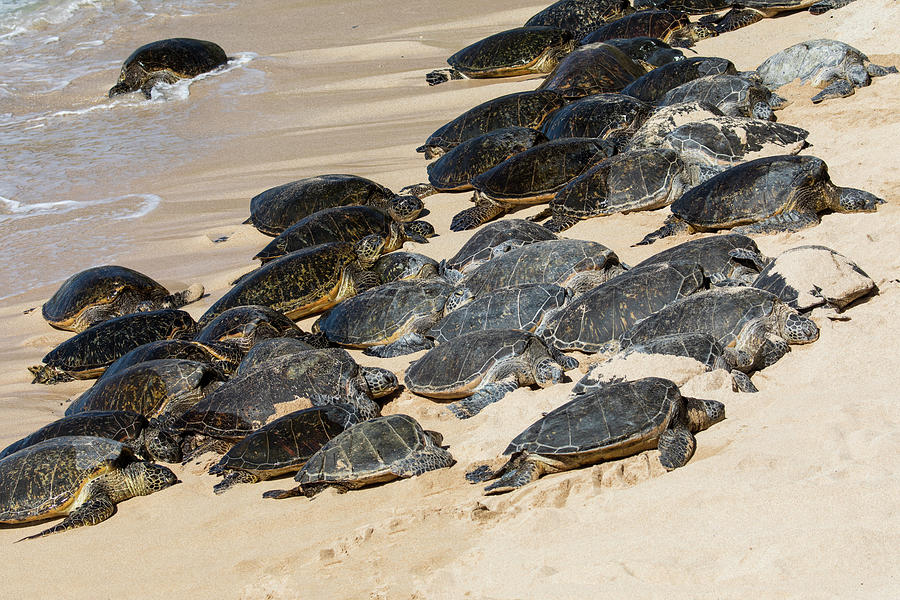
{"type": "Point", "coordinates": [794, 495]}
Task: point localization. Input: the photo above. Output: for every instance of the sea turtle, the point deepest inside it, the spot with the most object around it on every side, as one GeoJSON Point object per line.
{"type": "Point", "coordinates": [398, 266]}
{"type": "Point", "coordinates": [86, 355]}
{"type": "Point", "coordinates": [517, 51]}
{"type": "Point", "coordinates": [605, 423]}
{"type": "Point", "coordinates": [753, 325]}
{"type": "Point", "coordinates": [222, 357]}
{"type": "Point", "coordinates": [608, 116]}
{"type": "Point", "coordinates": [307, 281]}
{"type": "Point", "coordinates": [577, 264]}
{"type": "Point", "coordinates": [580, 16]}
{"type": "Point", "coordinates": [101, 293]}
{"type": "Point", "coordinates": [270, 349]}
{"type": "Point", "coordinates": [691, 7]}
{"type": "Point", "coordinates": [594, 319]}
{"type": "Point", "coordinates": [167, 61]}
{"type": "Point", "coordinates": [809, 276]}
{"type": "Point", "coordinates": [747, 12]}
{"type": "Point", "coordinates": [282, 446]}
{"type": "Point", "coordinates": [453, 172]}
{"type": "Point", "coordinates": [672, 27]}
{"type": "Point", "coordinates": [277, 208]}
{"type": "Point", "coordinates": [766, 195]}
{"type": "Point", "coordinates": [345, 224]}
{"type": "Point", "coordinates": [727, 259]}
{"type": "Point", "coordinates": [128, 427]}
{"type": "Point", "coordinates": [836, 67]}
{"type": "Point", "coordinates": [79, 477]}
{"type": "Point", "coordinates": [653, 132]}
{"type": "Point", "coordinates": [483, 366]}
{"type": "Point", "coordinates": [530, 177]}
{"type": "Point", "coordinates": [734, 95]}
{"type": "Point", "coordinates": [627, 182]}
{"type": "Point", "coordinates": [592, 69]}
{"type": "Point", "coordinates": [388, 320]}
{"type": "Point", "coordinates": [244, 325]}
{"type": "Point", "coordinates": [648, 52]}
{"type": "Point", "coordinates": [374, 451]}
{"type": "Point", "coordinates": [494, 239]}
{"type": "Point", "coordinates": [654, 84]}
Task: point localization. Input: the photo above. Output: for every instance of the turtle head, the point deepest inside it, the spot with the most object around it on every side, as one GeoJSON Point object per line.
{"type": "Point", "coordinates": [702, 414]}
{"type": "Point", "coordinates": [144, 478]}
{"type": "Point", "coordinates": [160, 445]}
{"type": "Point", "coordinates": [419, 231]}
{"type": "Point", "coordinates": [797, 329]}
{"type": "Point", "coordinates": [406, 208]}
{"type": "Point", "coordinates": [369, 249]}
{"type": "Point", "coordinates": [381, 382]}
{"type": "Point", "coordinates": [547, 372]}
{"type": "Point", "coordinates": [457, 299]}
{"type": "Point", "coordinates": [854, 200]}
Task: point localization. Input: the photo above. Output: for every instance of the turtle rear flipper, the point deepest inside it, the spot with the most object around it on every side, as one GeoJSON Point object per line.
{"type": "Point", "coordinates": [559, 223]}
{"type": "Point", "coordinates": [97, 509]}
{"type": "Point", "coordinates": [233, 478]}
{"type": "Point", "coordinates": [672, 226]}
{"type": "Point", "coordinates": [481, 213]}
{"type": "Point", "coordinates": [487, 394]}
{"type": "Point", "coordinates": [406, 344]}
{"type": "Point", "coordinates": [737, 18]}
{"type": "Point", "coordinates": [676, 446]}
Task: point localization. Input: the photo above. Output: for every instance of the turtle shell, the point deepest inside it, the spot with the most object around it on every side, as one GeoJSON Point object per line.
{"type": "Point", "coordinates": [813, 61]}
{"type": "Point", "coordinates": [223, 358]}
{"type": "Point", "coordinates": [245, 325]}
{"type": "Point", "coordinates": [691, 7]}
{"type": "Point", "coordinates": [660, 24]}
{"type": "Point", "coordinates": [597, 116]}
{"type": "Point", "coordinates": [44, 480]}
{"type": "Point", "coordinates": [647, 50]}
{"type": "Point", "coordinates": [654, 84]}
{"type": "Point", "coordinates": [734, 95]}
{"type": "Point", "coordinates": [182, 57]}
{"type": "Point", "coordinates": [653, 132]}
{"type": "Point", "coordinates": [271, 349]}
{"type": "Point", "coordinates": [518, 51]}
{"type": "Point", "coordinates": [580, 16]}
{"type": "Point", "coordinates": [497, 237]}
{"type": "Point", "coordinates": [520, 109]}
{"type": "Point", "coordinates": [118, 425]}
{"type": "Point", "coordinates": [593, 69]}
{"type": "Point", "coordinates": [715, 254]}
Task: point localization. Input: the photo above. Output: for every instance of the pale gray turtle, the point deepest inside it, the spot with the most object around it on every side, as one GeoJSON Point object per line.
{"type": "Point", "coordinates": [592, 69]}
{"type": "Point", "coordinates": [277, 208]}
{"type": "Point", "coordinates": [605, 423]}
{"type": "Point", "coordinates": [86, 355]}
{"type": "Point", "coordinates": [627, 182]}
{"type": "Point", "coordinates": [672, 27]}
{"type": "Point", "coordinates": [520, 109]}
{"type": "Point", "coordinates": [518, 51]}
{"type": "Point", "coordinates": [581, 16]}
{"type": "Point", "coordinates": [453, 172]}
{"type": "Point", "coordinates": [577, 264]}
{"type": "Point", "coordinates": [481, 367]}
{"type": "Point", "coordinates": [665, 119]}
{"type": "Point", "coordinates": [167, 61]}
{"type": "Point", "coordinates": [101, 293]}
{"type": "Point", "coordinates": [836, 67]}
{"type": "Point", "coordinates": [494, 239]}
{"type": "Point", "coordinates": [398, 266]}
{"type": "Point", "coordinates": [224, 358]}
{"type": "Point", "coordinates": [809, 276]}
{"type": "Point", "coordinates": [734, 95]}
{"type": "Point", "coordinates": [89, 476]}
{"type": "Point", "coordinates": [654, 84]}
{"type": "Point", "coordinates": [595, 319]}
{"type": "Point", "coordinates": [747, 12]}
{"type": "Point", "coordinates": [271, 349]}
{"type": "Point", "coordinates": [530, 177]}
{"type": "Point", "coordinates": [345, 224]}
{"type": "Point", "coordinates": [607, 116]}
{"type": "Point", "coordinates": [648, 52]}
{"type": "Point", "coordinates": [374, 451]}
{"type": "Point", "coordinates": [766, 195]}
{"type": "Point", "coordinates": [753, 325]}
{"type": "Point", "coordinates": [243, 326]}
{"type": "Point", "coordinates": [727, 259]}
{"type": "Point", "coordinates": [305, 282]}
{"type": "Point", "coordinates": [128, 427]}
{"type": "Point", "coordinates": [282, 446]}
{"type": "Point", "coordinates": [388, 320]}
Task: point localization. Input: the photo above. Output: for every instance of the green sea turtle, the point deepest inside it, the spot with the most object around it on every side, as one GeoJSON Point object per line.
{"type": "Point", "coordinates": [244, 325]}
{"type": "Point", "coordinates": [592, 69]}
{"type": "Point", "coordinates": [727, 259]}
{"type": "Point", "coordinates": [399, 265]}
{"type": "Point", "coordinates": [672, 27]}
{"type": "Point", "coordinates": [88, 477]}
{"type": "Point", "coordinates": [747, 12]}
{"type": "Point", "coordinates": [277, 208]}
{"type": "Point", "coordinates": [101, 293]}
{"type": "Point", "coordinates": [606, 116]}
{"type": "Point", "coordinates": [605, 423]}
{"type": "Point", "coordinates": [282, 446]}
{"type": "Point", "coordinates": [86, 355]}
{"type": "Point", "coordinates": [481, 367]}
{"type": "Point", "coordinates": [518, 51]}
{"type": "Point", "coordinates": [665, 119]}
{"type": "Point", "coordinates": [734, 95]}
{"type": "Point", "coordinates": [270, 349]}
{"type": "Point", "coordinates": [580, 16]}
{"type": "Point", "coordinates": [691, 7]}
{"type": "Point", "coordinates": [222, 357]}
{"type": "Point", "coordinates": [374, 451]}
{"type": "Point", "coordinates": [494, 239]}
{"type": "Point", "coordinates": [654, 84]}
{"type": "Point", "coordinates": [766, 195]}
{"type": "Point", "coordinates": [648, 52]}
{"type": "Point", "coordinates": [167, 61]}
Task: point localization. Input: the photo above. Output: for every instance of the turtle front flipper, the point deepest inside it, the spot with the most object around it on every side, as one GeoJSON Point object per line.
{"type": "Point", "coordinates": [407, 344]}
{"type": "Point", "coordinates": [179, 299]}
{"type": "Point", "coordinates": [788, 221]}
{"type": "Point", "coordinates": [559, 223]}
{"type": "Point", "coordinates": [486, 394]}
{"type": "Point", "coordinates": [840, 88]}
{"type": "Point", "coordinates": [96, 509]}
{"type": "Point", "coordinates": [522, 469]}
{"type": "Point", "coordinates": [676, 447]}
{"type": "Point", "coordinates": [483, 211]}
{"type": "Point", "coordinates": [233, 478]}
{"type": "Point", "coordinates": [441, 75]}
{"type": "Point", "coordinates": [741, 382]}
{"type": "Point", "coordinates": [737, 18]}
{"type": "Point", "coordinates": [429, 459]}
{"type": "Point", "coordinates": [419, 190]}
{"type": "Point", "coordinates": [49, 375]}
{"type": "Point", "coordinates": [280, 494]}
{"type": "Point", "coordinates": [155, 79]}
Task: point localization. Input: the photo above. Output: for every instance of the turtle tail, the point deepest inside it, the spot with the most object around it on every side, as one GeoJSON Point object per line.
{"type": "Point", "coordinates": [672, 226]}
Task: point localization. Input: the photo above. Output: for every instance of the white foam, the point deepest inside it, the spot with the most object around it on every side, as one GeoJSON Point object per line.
{"type": "Point", "coordinates": [180, 90]}
{"type": "Point", "coordinates": [133, 206]}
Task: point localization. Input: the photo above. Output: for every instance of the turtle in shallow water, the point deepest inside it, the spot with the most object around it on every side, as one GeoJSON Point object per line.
{"type": "Point", "coordinates": [747, 12]}
{"type": "Point", "coordinates": [734, 95]}
{"type": "Point", "coordinates": [607, 116]}
{"type": "Point", "coordinates": [495, 239]}
{"type": "Point", "coordinates": [519, 51]}
{"type": "Point", "coordinates": [167, 61]}
{"type": "Point", "coordinates": [648, 52]}
{"type": "Point", "coordinates": [481, 367]}
{"type": "Point", "coordinates": [727, 259]}
{"type": "Point", "coordinates": [282, 446]}
{"type": "Point", "coordinates": [605, 423]}
{"type": "Point", "coordinates": [580, 16]}
{"type": "Point", "coordinates": [766, 195]}
{"type": "Point", "coordinates": [592, 69]}
{"type": "Point", "coordinates": [520, 109]}
{"type": "Point", "coordinates": [86, 355]}
{"type": "Point", "coordinates": [100, 293]}
{"type": "Point", "coordinates": [672, 27]}
{"type": "Point", "coordinates": [654, 84]}
{"type": "Point", "coordinates": [90, 475]}
{"type": "Point", "coordinates": [834, 66]}
{"type": "Point", "coordinates": [374, 451]}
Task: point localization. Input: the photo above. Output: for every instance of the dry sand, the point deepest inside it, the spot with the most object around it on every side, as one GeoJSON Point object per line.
{"type": "Point", "coordinates": [795, 495]}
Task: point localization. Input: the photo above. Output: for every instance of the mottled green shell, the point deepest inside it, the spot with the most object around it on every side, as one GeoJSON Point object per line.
{"type": "Point", "coordinates": [713, 253]}
{"type": "Point", "coordinates": [653, 85]}
{"type": "Point", "coordinates": [517, 51]}
{"type": "Point", "coordinates": [691, 7]}
{"type": "Point", "coordinates": [224, 358]}
{"type": "Point", "coordinates": [732, 94]}
{"type": "Point", "coordinates": [597, 116]}
{"type": "Point", "coordinates": [118, 425]}
{"type": "Point", "coordinates": [509, 232]}
{"type": "Point", "coordinates": [245, 325]}
{"type": "Point", "coordinates": [181, 57]}
{"type": "Point", "coordinates": [660, 24]}
{"type": "Point", "coordinates": [271, 349]}
{"type": "Point", "coordinates": [593, 69]}
{"type": "Point", "coordinates": [724, 141]}
{"type": "Point", "coordinates": [581, 16]}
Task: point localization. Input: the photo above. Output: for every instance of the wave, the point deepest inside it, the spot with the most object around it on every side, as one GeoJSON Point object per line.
{"type": "Point", "coordinates": [127, 207]}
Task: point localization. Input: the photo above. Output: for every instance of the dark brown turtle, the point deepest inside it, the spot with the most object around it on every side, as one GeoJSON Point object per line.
{"type": "Point", "coordinates": [654, 84]}
{"type": "Point", "coordinates": [747, 12]}
{"type": "Point", "coordinates": [102, 293]}
{"type": "Point", "coordinates": [493, 240]}
{"type": "Point", "coordinates": [270, 349]}
{"type": "Point", "coordinates": [398, 266]}
{"type": "Point", "coordinates": [167, 61]}
{"type": "Point", "coordinates": [243, 326]}
{"type": "Point", "coordinates": [727, 259]}
{"type": "Point", "coordinates": [672, 27]}
{"type": "Point", "coordinates": [530, 177]}
{"type": "Point", "coordinates": [518, 51]}
{"type": "Point", "coordinates": [605, 116]}
{"type": "Point", "coordinates": [277, 208]}
{"type": "Point", "coordinates": [345, 224]}
{"type": "Point", "coordinates": [734, 95]}
{"type": "Point", "coordinates": [86, 355]}
{"type": "Point", "coordinates": [580, 16]}
{"type": "Point", "coordinates": [649, 52]}
{"type": "Point", "coordinates": [766, 195]}
{"type": "Point", "coordinates": [374, 451]}
{"type": "Point", "coordinates": [592, 69]}
{"type": "Point", "coordinates": [282, 446]}
{"type": "Point", "coordinates": [691, 7]}
{"type": "Point", "coordinates": [89, 476]}
{"type": "Point", "coordinates": [222, 357]}
{"type": "Point", "coordinates": [520, 109]}
{"type": "Point", "coordinates": [305, 282]}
